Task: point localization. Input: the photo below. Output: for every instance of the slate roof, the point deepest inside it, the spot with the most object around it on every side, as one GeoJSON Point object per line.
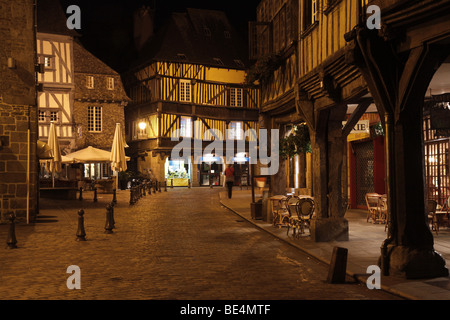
{"type": "Point", "coordinates": [51, 18]}
{"type": "Point", "coordinates": [197, 36]}
{"type": "Point", "coordinates": [86, 62]}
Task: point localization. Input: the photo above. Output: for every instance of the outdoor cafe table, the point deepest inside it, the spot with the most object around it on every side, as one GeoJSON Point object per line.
{"type": "Point", "coordinates": [276, 206]}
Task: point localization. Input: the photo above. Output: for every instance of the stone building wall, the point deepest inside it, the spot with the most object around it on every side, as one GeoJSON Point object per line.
{"type": "Point", "coordinates": [112, 101]}
{"type": "Point", "coordinates": [17, 111]}
{"type": "Point", "coordinates": [112, 113]}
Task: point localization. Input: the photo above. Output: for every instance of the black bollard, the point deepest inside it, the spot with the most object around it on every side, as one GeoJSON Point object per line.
{"type": "Point", "coordinates": [171, 183]}
{"type": "Point", "coordinates": [112, 216]}
{"type": "Point", "coordinates": [148, 187]}
{"type": "Point", "coordinates": [159, 186]}
{"type": "Point", "coordinates": [154, 186]}
{"type": "Point", "coordinates": [131, 195]}
{"type": "Point", "coordinates": [165, 186]}
{"type": "Point", "coordinates": [108, 224]}
{"type": "Point", "coordinates": [81, 194]}
{"type": "Point", "coordinates": [11, 241]}
{"type": "Point", "coordinates": [81, 234]}
{"type": "Point", "coordinates": [95, 194]}
{"type": "Point", "coordinates": [114, 196]}
{"type": "Point", "coordinates": [143, 189]}
{"type": "Point", "coordinates": [189, 183]}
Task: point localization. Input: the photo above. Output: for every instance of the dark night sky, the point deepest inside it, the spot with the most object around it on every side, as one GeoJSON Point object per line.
{"type": "Point", "coordinates": [106, 25]}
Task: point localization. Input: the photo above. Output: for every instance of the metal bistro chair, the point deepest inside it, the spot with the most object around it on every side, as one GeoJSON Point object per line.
{"type": "Point", "coordinates": [432, 219]}
{"type": "Point", "coordinates": [305, 211]}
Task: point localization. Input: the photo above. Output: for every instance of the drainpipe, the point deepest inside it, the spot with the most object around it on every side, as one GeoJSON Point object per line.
{"type": "Point", "coordinates": [386, 242]}
{"type": "Point", "coordinates": [29, 113]}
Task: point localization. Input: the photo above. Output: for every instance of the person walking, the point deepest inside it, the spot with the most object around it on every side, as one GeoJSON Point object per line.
{"type": "Point", "coordinates": [229, 179]}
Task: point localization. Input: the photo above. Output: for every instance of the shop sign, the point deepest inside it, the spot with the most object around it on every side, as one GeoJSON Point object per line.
{"type": "Point", "coordinates": [360, 131]}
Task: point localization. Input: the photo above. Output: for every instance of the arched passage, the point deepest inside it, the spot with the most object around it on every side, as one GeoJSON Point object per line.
{"type": "Point", "coordinates": [398, 82]}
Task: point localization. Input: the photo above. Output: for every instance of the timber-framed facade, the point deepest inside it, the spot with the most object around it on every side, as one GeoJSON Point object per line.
{"type": "Point", "coordinates": [184, 92]}
{"type": "Point", "coordinates": [344, 65]}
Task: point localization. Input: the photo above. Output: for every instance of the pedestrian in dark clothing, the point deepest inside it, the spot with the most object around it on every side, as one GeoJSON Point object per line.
{"type": "Point", "coordinates": [229, 179]}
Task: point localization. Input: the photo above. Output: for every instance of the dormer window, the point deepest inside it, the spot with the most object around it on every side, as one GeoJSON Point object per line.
{"type": "Point", "coordinates": [90, 82]}
{"type": "Point", "coordinates": [218, 61]}
{"type": "Point", "coordinates": [110, 83]}
{"type": "Point", "coordinates": [181, 56]}
{"type": "Point", "coordinates": [227, 34]}
{"type": "Point", "coordinates": [207, 31]}
{"type": "Point", "coordinates": [239, 63]}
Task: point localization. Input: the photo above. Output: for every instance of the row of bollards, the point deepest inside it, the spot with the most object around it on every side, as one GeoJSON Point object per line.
{"type": "Point", "coordinates": [95, 199]}
{"type": "Point", "coordinates": [144, 188]}
{"type": "Point", "coordinates": [11, 240]}
{"type": "Point", "coordinates": [109, 224]}
{"type": "Point", "coordinates": [136, 193]}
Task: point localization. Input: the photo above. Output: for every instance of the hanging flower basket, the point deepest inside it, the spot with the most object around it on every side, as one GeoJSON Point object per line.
{"type": "Point", "coordinates": [297, 142]}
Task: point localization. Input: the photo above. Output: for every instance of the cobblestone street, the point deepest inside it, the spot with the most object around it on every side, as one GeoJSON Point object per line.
{"type": "Point", "coordinates": [180, 244]}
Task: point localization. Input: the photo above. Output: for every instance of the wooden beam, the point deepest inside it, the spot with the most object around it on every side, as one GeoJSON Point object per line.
{"type": "Point", "coordinates": [356, 115]}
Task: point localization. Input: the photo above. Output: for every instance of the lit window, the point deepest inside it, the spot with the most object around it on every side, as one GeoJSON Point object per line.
{"type": "Point", "coordinates": [315, 10]}
{"type": "Point", "coordinates": [235, 130]}
{"type": "Point", "coordinates": [90, 82]}
{"type": "Point", "coordinates": [236, 97]}
{"type": "Point", "coordinates": [186, 127]}
{"type": "Point", "coordinates": [41, 116]}
{"type": "Point", "coordinates": [94, 119]}
{"type": "Point", "coordinates": [185, 90]}
{"type": "Point", "coordinates": [110, 83]}
{"type": "Point", "coordinates": [47, 61]}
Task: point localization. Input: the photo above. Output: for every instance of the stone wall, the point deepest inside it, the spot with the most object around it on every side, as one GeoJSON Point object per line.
{"type": "Point", "coordinates": [112, 113]}
{"type": "Point", "coordinates": [17, 111]}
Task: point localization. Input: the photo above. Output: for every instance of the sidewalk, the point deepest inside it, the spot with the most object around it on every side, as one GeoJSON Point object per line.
{"type": "Point", "coordinates": [363, 247]}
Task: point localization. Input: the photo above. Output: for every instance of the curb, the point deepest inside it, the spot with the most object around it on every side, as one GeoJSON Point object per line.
{"type": "Point", "coordinates": [359, 278]}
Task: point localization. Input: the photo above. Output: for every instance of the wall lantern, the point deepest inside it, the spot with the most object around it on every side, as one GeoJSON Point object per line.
{"type": "Point", "coordinates": [142, 125]}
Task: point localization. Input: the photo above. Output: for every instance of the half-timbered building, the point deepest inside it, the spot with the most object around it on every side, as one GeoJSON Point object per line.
{"type": "Point", "coordinates": [273, 44]}
{"type": "Point", "coordinates": [346, 65]}
{"type": "Point", "coordinates": [54, 45]}
{"type": "Point", "coordinates": [190, 83]}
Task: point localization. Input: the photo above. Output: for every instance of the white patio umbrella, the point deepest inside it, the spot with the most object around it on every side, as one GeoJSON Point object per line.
{"type": "Point", "coordinates": [55, 162]}
{"type": "Point", "coordinates": [118, 158]}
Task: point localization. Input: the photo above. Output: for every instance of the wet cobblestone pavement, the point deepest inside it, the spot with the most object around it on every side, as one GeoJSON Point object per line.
{"type": "Point", "coordinates": [180, 244]}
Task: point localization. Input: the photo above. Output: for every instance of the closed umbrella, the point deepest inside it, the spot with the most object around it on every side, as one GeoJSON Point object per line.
{"type": "Point", "coordinates": [118, 158]}
{"type": "Point", "coordinates": [55, 162]}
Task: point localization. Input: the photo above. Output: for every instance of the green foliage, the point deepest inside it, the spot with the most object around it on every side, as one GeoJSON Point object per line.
{"type": "Point", "coordinates": [264, 68]}
{"type": "Point", "coordinates": [297, 142]}
{"type": "Point", "coordinates": [178, 173]}
{"type": "Point", "coordinates": [377, 130]}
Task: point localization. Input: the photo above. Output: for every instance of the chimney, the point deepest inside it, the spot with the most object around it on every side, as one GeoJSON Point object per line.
{"type": "Point", "coordinates": [143, 26]}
